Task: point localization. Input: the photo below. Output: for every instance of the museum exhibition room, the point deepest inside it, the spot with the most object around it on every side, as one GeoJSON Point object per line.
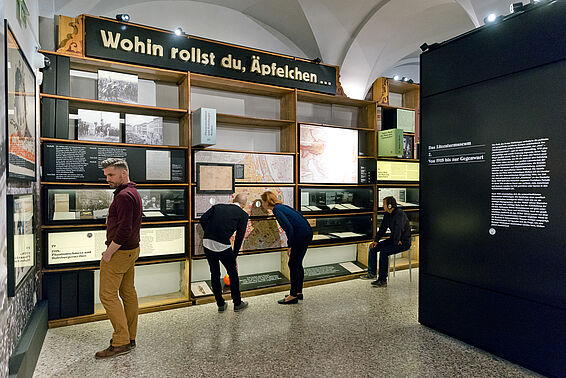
{"type": "Point", "coordinates": [358, 188]}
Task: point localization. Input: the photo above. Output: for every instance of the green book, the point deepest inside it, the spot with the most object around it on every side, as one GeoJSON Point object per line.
{"type": "Point", "coordinates": [390, 142]}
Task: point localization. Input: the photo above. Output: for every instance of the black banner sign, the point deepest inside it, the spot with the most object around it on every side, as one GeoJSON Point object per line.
{"type": "Point", "coordinates": [124, 42]}
{"type": "Point", "coordinates": [81, 163]}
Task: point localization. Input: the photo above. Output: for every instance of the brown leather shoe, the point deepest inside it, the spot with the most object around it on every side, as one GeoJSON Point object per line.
{"type": "Point", "coordinates": [132, 343]}
{"type": "Point", "coordinates": [112, 351]}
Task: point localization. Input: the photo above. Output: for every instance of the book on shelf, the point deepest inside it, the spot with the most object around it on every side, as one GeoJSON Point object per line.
{"type": "Point", "coordinates": [390, 143]}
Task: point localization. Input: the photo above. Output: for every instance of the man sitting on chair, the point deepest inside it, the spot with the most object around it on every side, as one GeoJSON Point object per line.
{"type": "Point", "coordinates": [400, 240]}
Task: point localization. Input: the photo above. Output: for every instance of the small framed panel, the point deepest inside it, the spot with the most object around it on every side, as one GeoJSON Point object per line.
{"type": "Point", "coordinates": [85, 246]}
{"type": "Point", "coordinates": [21, 240]}
{"type": "Point", "coordinates": [20, 110]}
{"type": "Point", "coordinates": [215, 178]}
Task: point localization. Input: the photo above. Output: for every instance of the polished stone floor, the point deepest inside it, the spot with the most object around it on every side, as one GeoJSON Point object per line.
{"type": "Point", "coordinates": [346, 329]}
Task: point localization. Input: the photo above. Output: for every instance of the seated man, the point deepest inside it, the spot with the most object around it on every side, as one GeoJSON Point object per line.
{"type": "Point", "coordinates": [400, 240]}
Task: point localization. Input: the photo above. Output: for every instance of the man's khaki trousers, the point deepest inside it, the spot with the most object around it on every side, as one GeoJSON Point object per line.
{"type": "Point", "coordinates": [117, 276]}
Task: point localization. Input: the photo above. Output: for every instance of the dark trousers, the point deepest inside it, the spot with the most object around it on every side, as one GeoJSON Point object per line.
{"type": "Point", "coordinates": [228, 259]}
{"type": "Point", "coordinates": [385, 248]}
{"type": "Point", "coordinates": [296, 271]}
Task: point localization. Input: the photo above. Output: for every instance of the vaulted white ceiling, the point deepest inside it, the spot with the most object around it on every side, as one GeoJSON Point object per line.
{"type": "Point", "coordinates": [366, 38]}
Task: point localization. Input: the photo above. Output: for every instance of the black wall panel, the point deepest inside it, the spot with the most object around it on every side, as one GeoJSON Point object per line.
{"type": "Point", "coordinates": [500, 288]}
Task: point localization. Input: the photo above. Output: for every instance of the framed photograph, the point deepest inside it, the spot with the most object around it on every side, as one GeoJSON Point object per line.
{"type": "Point", "coordinates": [142, 129]}
{"type": "Point", "coordinates": [117, 87]}
{"type": "Point", "coordinates": [20, 110]}
{"type": "Point", "coordinates": [215, 178]}
{"type": "Point", "coordinates": [95, 125]}
{"type": "Point", "coordinates": [21, 240]}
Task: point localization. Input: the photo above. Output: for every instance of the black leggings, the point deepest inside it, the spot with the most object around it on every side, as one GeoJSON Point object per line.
{"type": "Point", "coordinates": [296, 271]}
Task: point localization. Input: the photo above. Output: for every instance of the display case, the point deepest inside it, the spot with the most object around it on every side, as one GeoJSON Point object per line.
{"type": "Point", "coordinates": [331, 200]}
{"type": "Point", "coordinates": [413, 216]}
{"type": "Point", "coordinates": [89, 205]}
{"type": "Point", "coordinates": [261, 235]}
{"type": "Point", "coordinates": [203, 202]}
{"type": "Point", "coordinates": [83, 247]}
{"type": "Point", "coordinates": [406, 197]}
{"type": "Point", "coordinates": [341, 229]}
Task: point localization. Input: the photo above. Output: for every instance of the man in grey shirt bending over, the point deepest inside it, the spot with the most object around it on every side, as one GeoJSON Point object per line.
{"type": "Point", "coordinates": [219, 224]}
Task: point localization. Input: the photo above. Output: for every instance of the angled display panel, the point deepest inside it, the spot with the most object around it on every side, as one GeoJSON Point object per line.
{"type": "Point", "coordinates": [328, 155]}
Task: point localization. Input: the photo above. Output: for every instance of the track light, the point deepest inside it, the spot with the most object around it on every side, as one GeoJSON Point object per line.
{"type": "Point", "coordinates": [317, 60]}
{"type": "Point", "coordinates": [124, 17]}
{"type": "Point", "coordinates": [396, 77]}
{"type": "Point", "coordinates": [406, 79]}
{"type": "Point", "coordinates": [179, 31]}
{"type": "Point", "coordinates": [490, 18]}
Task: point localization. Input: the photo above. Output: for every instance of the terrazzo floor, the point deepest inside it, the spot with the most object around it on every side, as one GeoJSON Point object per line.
{"type": "Point", "coordinates": [346, 329]}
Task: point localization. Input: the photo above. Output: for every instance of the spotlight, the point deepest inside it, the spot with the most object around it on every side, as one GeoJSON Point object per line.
{"type": "Point", "coordinates": [124, 17]}
{"type": "Point", "coordinates": [396, 77]}
{"type": "Point", "coordinates": [490, 18]}
{"type": "Point", "coordinates": [516, 7]}
{"type": "Point", "coordinates": [317, 60]}
{"type": "Point", "coordinates": [179, 31]}
{"type": "Point", "coordinates": [406, 79]}
{"type": "Point", "coordinates": [424, 47]}
{"type": "Point", "coordinates": [410, 81]}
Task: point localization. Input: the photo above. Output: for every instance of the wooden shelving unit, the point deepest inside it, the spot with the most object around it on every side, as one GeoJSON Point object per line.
{"type": "Point", "coordinates": [283, 124]}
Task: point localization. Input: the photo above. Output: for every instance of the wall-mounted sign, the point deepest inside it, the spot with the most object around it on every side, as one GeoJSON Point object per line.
{"type": "Point", "coordinates": [109, 39]}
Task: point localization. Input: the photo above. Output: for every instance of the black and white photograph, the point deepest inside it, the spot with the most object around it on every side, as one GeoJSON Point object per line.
{"type": "Point", "coordinates": [408, 147]}
{"type": "Point", "coordinates": [97, 201]}
{"type": "Point", "coordinates": [117, 87]}
{"type": "Point", "coordinates": [142, 129]}
{"type": "Point", "coordinates": [21, 239]}
{"type": "Point", "coordinates": [151, 200]}
{"type": "Point", "coordinates": [95, 125]}
{"type": "Point", "coordinates": [20, 103]}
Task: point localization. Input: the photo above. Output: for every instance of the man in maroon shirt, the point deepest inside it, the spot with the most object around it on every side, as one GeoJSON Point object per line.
{"type": "Point", "coordinates": [117, 264]}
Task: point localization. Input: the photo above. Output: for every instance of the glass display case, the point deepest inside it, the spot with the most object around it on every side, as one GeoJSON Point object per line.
{"type": "Point", "coordinates": [406, 197]}
{"type": "Point", "coordinates": [261, 234]}
{"type": "Point", "coordinates": [90, 205]}
{"type": "Point", "coordinates": [341, 229]}
{"type": "Point", "coordinates": [85, 246]}
{"type": "Point", "coordinates": [336, 200]}
{"type": "Point", "coordinates": [413, 221]}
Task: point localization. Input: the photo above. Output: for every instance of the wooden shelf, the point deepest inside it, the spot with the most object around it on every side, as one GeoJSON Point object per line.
{"type": "Point", "coordinates": [146, 305]}
{"type": "Point", "coordinates": [398, 159]}
{"type": "Point", "coordinates": [305, 96]}
{"type": "Point", "coordinates": [394, 107]}
{"type": "Point", "coordinates": [111, 143]}
{"type": "Point", "coordinates": [241, 151]}
{"type": "Point", "coordinates": [331, 185]}
{"type": "Point", "coordinates": [103, 225]}
{"type": "Point", "coordinates": [96, 265]}
{"type": "Point", "coordinates": [389, 184]}
{"type": "Point", "coordinates": [237, 86]}
{"type": "Point", "coordinates": [143, 72]}
{"type": "Point", "coordinates": [251, 121]}
{"type": "Point", "coordinates": [104, 184]}
{"type": "Point", "coordinates": [83, 103]}
{"type": "Point", "coordinates": [397, 86]}
{"type": "Point", "coordinates": [326, 215]}
{"type": "Point", "coordinates": [336, 126]}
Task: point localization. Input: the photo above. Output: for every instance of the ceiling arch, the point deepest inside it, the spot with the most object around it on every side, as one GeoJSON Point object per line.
{"type": "Point", "coordinates": [366, 38]}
